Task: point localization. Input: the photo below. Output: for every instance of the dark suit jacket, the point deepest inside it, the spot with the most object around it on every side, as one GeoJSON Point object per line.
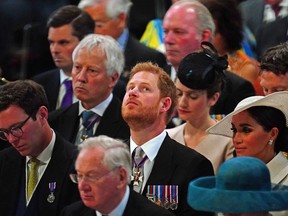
{"type": "Point", "coordinates": [50, 80]}
{"type": "Point", "coordinates": [252, 12]}
{"type": "Point", "coordinates": [271, 34]}
{"type": "Point", "coordinates": [136, 206]}
{"type": "Point", "coordinates": [136, 52]}
{"type": "Point", "coordinates": [176, 164]}
{"type": "Point", "coordinates": [235, 89]}
{"type": "Point", "coordinates": [12, 181]}
{"type": "Point", "coordinates": [66, 122]}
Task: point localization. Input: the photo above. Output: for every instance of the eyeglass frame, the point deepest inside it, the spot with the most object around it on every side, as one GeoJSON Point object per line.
{"type": "Point", "coordinates": [91, 179]}
{"type": "Point", "coordinates": [17, 127]}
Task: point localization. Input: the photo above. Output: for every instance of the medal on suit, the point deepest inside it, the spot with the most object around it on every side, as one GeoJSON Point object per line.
{"type": "Point", "coordinates": [174, 197]}
{"type": "Point", "coordinates": [151, 193]}
{"type": "Point", "coordinates": [51, 196]}
{"type": "Point", "coordinates": [158, 195]}
{"type": "Point", "coordinates": [137, 174]}
{"type": "Point", "coordinates": [166, 203]}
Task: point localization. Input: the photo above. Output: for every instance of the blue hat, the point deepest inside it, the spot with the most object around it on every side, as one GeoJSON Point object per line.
{"type": "Point", "coordinates": [242, 186]}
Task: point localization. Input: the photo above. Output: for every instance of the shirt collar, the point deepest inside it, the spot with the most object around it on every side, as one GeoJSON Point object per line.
{"type": "Point", "coordinates": [63, 76]}
{"type": "Point", "coordinates": [119, 210]}
{"type": "Point", "coordinates": [46, 154]}
{"type": "Point", "coordinates": [122, 40]}
{"type": "Point", "coordinates": [100, 108]}
{"type": "Point", "coordinates": [151, 147]}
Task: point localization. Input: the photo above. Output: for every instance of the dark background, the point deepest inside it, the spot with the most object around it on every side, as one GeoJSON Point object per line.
{"type": "Point", "coordinates": [24, 49]}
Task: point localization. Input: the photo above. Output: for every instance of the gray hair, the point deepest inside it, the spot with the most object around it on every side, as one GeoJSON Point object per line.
{"type": "Point", "coordinates": [117, 153]}
{"type": "Point", "coordinates": [113, 7]}
{"type": "Point", "coordinates": [204, 17]}
{"type": "Point", "coordinates": [114, 55]}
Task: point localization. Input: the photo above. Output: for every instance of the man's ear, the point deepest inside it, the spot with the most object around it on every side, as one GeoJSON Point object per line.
{"type": "Point", "coordinates": [166, 103]}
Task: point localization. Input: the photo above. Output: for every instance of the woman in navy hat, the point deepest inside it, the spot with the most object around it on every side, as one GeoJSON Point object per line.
{"type": "Point", "coordinates": [241, 188]}
{"type": "Point", "coordinates": [199, 81]}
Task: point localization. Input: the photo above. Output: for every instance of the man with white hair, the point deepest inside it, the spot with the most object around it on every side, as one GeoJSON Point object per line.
{"type": "Point", "coordinates": [111, 18]}
{"type": "Point", "coordinates": [97, 65]}
{"type": "Point", "coordinates": [103, 170]}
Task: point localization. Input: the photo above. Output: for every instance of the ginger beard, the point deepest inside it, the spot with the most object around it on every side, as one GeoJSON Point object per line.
{"type": "Point", "coordinates": [140, 117]}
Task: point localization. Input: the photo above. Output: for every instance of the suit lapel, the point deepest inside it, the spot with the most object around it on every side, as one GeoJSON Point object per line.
{"type": "Point", "coordinates": [164, 166]}
{"type": "Point", "coordinates": [71, 121]}
{"type": "Point", "coordinates": [109, 122]}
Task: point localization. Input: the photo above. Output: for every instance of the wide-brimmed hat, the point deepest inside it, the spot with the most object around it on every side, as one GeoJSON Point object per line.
{"type": "Point", "coordinates": [242, 186]}
{"type": "Point", "coordinates": [277, 100]}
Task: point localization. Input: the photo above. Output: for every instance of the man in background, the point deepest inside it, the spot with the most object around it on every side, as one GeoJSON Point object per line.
{"type": "Point", "coordinates": [111, 17]}
{"type": "Point", "coordinates": [66, 27]}
{"type": "Point", "coordinates": [186, 24]}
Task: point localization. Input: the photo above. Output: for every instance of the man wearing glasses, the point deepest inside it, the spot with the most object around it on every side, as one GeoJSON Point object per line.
{"type": "Point", "coordinates": [103, 171]}
{"type": "Point", "coordinates": [34, 172]}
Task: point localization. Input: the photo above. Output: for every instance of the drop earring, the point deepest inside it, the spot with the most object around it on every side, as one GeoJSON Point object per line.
{"type": "Point", "coordinates": [270, 142]}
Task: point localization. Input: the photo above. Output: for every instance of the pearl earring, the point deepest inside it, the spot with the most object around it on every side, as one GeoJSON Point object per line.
{"type": "Point", "coordinates": [270, 142]}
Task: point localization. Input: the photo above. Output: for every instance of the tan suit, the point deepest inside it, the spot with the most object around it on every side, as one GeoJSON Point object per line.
{"type": "Point", "coordinates": [216, 148]}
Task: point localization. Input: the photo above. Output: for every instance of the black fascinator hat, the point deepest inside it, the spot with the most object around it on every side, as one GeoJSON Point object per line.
{"type": "Point", "coordinates": [204, 69]}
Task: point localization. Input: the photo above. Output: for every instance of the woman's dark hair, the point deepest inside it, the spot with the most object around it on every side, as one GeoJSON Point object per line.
{"type": "Point", "coordinates": [228, 21]}
{"type": "Point", "coordinates": [204, 70]}
{"type": "Point", "coordinates": [269, 117]}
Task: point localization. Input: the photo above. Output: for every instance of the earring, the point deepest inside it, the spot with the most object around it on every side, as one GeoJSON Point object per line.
{"type": "Point", "coordinates": [270, 142]}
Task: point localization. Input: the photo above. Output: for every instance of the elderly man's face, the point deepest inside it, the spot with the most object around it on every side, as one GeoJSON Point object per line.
{"type": "Point", "coordinates": [97, 185]}
{"type": "Point", "coordinates": [180, 33]}
{"type": "Point", "coordinates": [104, 24]}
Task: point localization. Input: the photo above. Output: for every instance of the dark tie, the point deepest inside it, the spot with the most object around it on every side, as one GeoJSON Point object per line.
{"type": "Point", "coordinates": [67, 99]}
{"type": "Point", "coordinates": [89, 118]}
{"type": "Point", "coordinates": [138, 169]}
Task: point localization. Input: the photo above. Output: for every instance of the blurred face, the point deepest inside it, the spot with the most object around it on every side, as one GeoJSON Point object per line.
{"type": "Point", "coordinates": [141, 103]}
{"type": "Point", "coordinates": [105, 25]}
{"type": "Point", "coordinates": [91, 84]}
{"type": "Point", "coordinates": [31, 142]}
{"type": "Point", "coordinates": [98, 187]}
{"type": "Point", "coordinates": [180, 34]}
{"type": "Point", "coordinates": [250, 139]}
{"type": "Point", "coordinates": [192, 104]}
{"type": "Point", "coordinates": [271, 82]}
{"type": "Point", "coordinates": [62, 44]}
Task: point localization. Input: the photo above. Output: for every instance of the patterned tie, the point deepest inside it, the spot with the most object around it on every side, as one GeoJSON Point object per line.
{"type": "Point", "coordinates": [33, 176]}
{"type": "Point", "coordinates": [89, 119]}
{"type": "Point", "coordinates": [67, 99]}
{"type": "Point", "coordinates": [138, 169]}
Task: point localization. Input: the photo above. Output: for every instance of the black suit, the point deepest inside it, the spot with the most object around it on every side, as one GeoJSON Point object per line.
{"type": "Point", "coordinates": [252, 12]}
{"type": "Point", "coordinates": [12, 181]}
{"type": "Point", "coordinates": [66, 122]}
{"type": "Point", "coordinates": [271, 34]}
{"type": "Point", "coordinates": [136, 206]}
{"type": "Point", "coordinates": [50, 80]}
{"type": "Point", "coordinates": [176, 164]}
{"type": "Point", "coordinates": [136, 52]}
{"type": "Point", "coordinates": [235, 89]}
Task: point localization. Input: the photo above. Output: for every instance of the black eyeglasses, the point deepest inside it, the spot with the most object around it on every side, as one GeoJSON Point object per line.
{"type": "Point", "coordinates": [15, 131]}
